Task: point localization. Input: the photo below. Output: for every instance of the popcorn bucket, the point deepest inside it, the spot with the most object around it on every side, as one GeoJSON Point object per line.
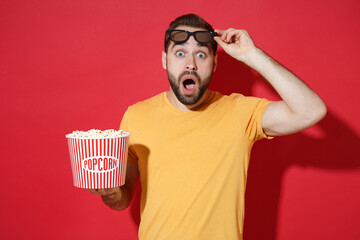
{"type": "Point", "coordinates": [98, 162]}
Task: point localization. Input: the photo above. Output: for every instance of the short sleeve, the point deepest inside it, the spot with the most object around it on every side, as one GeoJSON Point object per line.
{"type": "Point", "coordinates": [254, 129]}
{"type": "Point", "coordinates": [125, 126]}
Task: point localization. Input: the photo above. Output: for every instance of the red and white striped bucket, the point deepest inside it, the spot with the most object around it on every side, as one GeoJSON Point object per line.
{"type": "Point", "coordinates": [98, 162]}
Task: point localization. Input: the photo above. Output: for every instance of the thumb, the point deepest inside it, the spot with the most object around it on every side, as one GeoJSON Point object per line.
{"type": "Point", "coordinates": [221, 42]}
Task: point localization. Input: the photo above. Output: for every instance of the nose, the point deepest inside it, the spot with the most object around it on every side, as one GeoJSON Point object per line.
{"type": "Point", "coordinates": [191, 63]}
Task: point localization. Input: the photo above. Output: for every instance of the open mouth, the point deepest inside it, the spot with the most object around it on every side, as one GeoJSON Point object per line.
{"type": "Point", "coordinates": [189, 84]}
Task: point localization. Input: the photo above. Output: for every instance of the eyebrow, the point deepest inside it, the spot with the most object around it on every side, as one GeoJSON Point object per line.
{"type": "Point", "coordinates": [199, 45]}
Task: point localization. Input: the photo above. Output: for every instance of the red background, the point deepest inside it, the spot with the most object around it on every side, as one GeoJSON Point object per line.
{"type": "Point", "coordinates": [67, 65]}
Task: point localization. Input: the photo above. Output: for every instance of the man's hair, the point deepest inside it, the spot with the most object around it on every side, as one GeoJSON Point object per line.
{"type": "Point", "coordinates": [190, 20]}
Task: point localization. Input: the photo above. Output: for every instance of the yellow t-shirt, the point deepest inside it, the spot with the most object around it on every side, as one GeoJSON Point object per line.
{"type": "Point", "coordinates": [193, 165]}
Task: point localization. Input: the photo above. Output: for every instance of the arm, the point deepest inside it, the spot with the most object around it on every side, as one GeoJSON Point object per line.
{"type": "Point", "coordinates": [300, 107]}
{"type": "Point", "coordinates": [119, 198]}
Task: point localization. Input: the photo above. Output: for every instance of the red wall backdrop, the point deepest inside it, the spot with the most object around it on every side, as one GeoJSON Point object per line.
{"type": "Point", "coordinates": [72, 64]}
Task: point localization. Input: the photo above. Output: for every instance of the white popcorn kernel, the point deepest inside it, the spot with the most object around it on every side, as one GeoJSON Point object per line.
{"type": "Point", "coordinates": [97, 133]}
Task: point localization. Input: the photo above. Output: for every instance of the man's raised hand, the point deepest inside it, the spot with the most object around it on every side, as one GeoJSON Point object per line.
{"type": "Point", "coordinates": [237, 43]}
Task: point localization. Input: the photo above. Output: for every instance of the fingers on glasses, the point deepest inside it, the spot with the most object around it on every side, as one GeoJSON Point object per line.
{"type": "Point", "coordinates": [231, 34]}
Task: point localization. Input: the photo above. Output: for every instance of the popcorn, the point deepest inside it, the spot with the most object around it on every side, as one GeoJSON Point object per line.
{"type": "Point", "coordinates": [98, 158]}
{"type": "Point", "coordinates": [96, 133]}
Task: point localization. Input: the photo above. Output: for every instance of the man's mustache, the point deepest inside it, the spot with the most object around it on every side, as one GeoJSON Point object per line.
{"type": "Point", "coordinates": [189, 73]}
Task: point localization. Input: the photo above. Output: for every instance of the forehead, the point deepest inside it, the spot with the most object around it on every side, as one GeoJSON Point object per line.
{"type": "Point", "coordinates": [190, 29]}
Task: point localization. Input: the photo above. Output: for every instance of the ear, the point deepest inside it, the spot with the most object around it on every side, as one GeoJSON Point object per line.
{"type": "Point", "coordinates": [215, 62]}
{"type": "Point", "coordinates": [163, 58]}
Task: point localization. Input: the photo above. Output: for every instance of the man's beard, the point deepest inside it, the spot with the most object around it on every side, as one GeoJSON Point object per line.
{"type": "Point", "coordinates": [185, 99]}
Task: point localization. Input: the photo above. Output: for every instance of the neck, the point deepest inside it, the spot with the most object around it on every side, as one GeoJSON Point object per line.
{"type": "Point", "coordinates": [182, 107]}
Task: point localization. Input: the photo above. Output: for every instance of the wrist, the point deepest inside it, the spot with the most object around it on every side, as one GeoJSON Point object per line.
{"type": "Point", "coordinates": [255, 59]}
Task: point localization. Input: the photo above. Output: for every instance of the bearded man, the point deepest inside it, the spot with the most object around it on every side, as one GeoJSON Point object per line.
{"type": "Point", "coordinates": [191, 146]}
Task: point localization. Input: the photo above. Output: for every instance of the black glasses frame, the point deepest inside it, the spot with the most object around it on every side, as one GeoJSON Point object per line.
{"type": "Point", "coordinates": [189, 34]}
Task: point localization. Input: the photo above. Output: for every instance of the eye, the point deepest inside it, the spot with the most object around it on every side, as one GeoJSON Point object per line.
{"type": "Point", "coordinates": [201, 55]}
{"type": "Point", "coordinates": [180, 53]}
